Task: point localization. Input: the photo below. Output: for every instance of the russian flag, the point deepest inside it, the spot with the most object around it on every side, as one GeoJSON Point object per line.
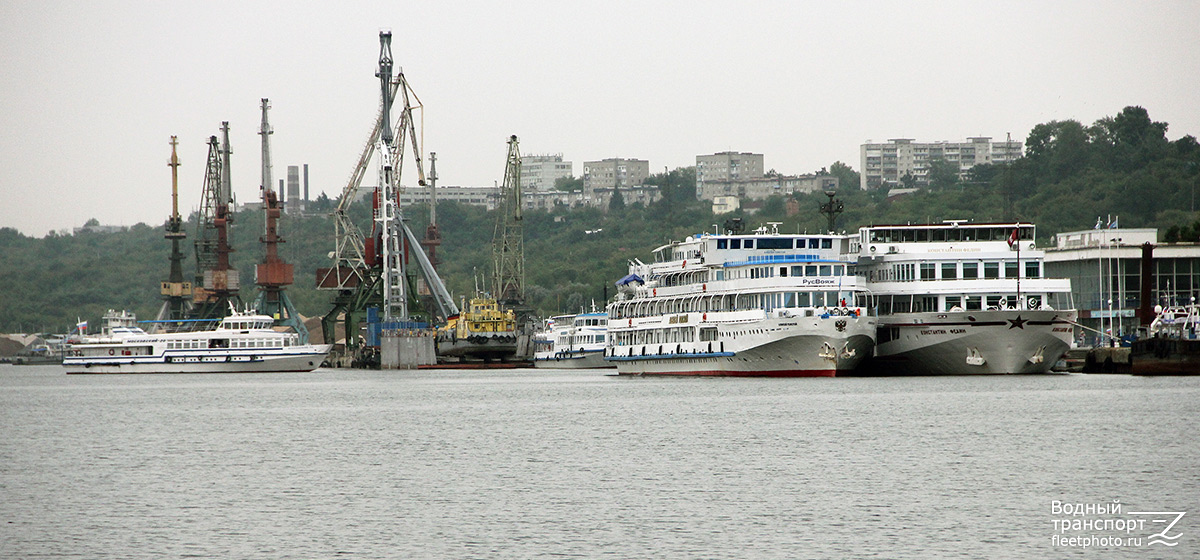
{"type": "Point", "coordinates": [81, 326]}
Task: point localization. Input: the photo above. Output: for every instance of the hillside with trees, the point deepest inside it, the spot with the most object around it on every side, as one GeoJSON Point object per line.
{"type": "Point", "coordinates": [1071, 175]}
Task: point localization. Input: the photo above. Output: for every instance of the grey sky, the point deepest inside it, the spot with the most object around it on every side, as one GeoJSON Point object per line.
{"type": "Point", "coordinates": [92, 91]}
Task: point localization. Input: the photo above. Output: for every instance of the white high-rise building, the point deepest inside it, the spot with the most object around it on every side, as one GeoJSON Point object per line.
{"type": "Point", "coordinates": [885, 164]}
{"type": "Point", "coordinates": [614, 173]}
{"type": "Point", "coordinates": [539, 172]}
{"type": "Point", "coordinates": [725, 168]}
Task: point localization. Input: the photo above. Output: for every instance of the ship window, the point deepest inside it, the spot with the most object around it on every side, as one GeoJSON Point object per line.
{"type": "Point", "coordinates": [722, 243]}
{"type": "Point", "coordinates": [993, 301]}
{"type": "Point", "coordinates": [922, 235]}
{"type": "Point", "coordinates": [749, 244]}
{"type": "Point", "coordinates": [937, 235]}
{"type": "Point", "coordinates": [928, 271]}
{"type": "Point", "coordinates": [810, 270]}
{"type": "Point", "coordinates": [926, 303]}
{"type": "Point", "coordinates": [974, 303]}
{"type": "Point", "coordinates": [970, 270]}
{"type": "Point", "coordinates": [803, 299]}
{"type": "Point", "coordinates": [949, 271]}
{"type": "Point", "coordinates": [826, 243]}
{"type": "Point", "coordinates": [839, 270]}
{"type": "Point", "coordinates": [775, 243]}
{"type": "Point", "coordinates": [1032, 270]}
{"type": "Point", "coordinates": [991, 270]}
{"type": "Point", "coordinates": [825, 270]}
{"type": "Point", "coordinates": [1010, 269]}
{"type": "Point", "coordinates": [814, 243]}
{"type": "Point", "coordinates": [735, 243]}
{"type": "Point", "coordinates": [952, 302]}
{"type": "Point", "coordinates": [783, 270]}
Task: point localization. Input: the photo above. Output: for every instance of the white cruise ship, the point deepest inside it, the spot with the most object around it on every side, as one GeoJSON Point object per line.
{"type": "Point", "coordinates": [241, 343]}
{"type": "Point", "coordinates": [574, 342]}
{"type": "Point", "coordinates": [761, 304]}
{"type": "Point", "coordinates": [963, 298]}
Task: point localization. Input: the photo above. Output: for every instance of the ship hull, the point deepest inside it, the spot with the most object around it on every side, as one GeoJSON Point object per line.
{"type": "Point", "coordinates": [593, 359]}
{"type": "Point", "coordinates": [972, 342]}
{"type": "Point", "coordinates": [788, 347]}
{"type": "Point", "coordinates": [201, 363]}
{"type": "Point", "coordinates": [1165, 356]}
{"type": "Point", "coordinates": [478, 347]}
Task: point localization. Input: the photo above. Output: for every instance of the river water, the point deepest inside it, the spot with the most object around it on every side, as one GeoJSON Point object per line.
{"type": "Point", "coordinates": [580, 464]}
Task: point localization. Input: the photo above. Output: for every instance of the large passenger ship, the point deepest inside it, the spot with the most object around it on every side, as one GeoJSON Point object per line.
{"type": "Point", "coordinates": [761, 304]}
{"type": "Point", "coordinates": [964, 298]}
{"type": "Point", "coordinates": [242, 342]}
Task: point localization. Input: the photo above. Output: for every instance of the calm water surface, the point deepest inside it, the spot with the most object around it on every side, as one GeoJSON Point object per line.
{"type": "Point", "coordinates": [570, 464]}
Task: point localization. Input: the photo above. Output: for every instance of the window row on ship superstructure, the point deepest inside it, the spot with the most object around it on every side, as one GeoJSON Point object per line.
{"type": "Point", "coordinates": [954, 270]}
{"type": "Point", "coordinates": [775, 243]}
{"type": "Point", "coordinates": [767, 301]}
{"type": "Point", "coordinates": [569, 340]}
{"type": "Point", "coordinates": [692, 277]}
{"type": "Point", "coordinates": [194, 344]}
{"type": "Point", "coordinates": [917, 303]}
{"type": "Point", "coordinates": [945, 234]}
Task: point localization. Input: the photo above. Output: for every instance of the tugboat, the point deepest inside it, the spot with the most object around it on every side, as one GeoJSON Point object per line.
{"type": "Point", "coordinates": [483, 332]}
{"type": "Point", "coordinates": [1172, 347]}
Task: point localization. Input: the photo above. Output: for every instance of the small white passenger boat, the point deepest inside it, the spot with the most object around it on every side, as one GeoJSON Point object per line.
{"type": "Point", "coordinates": [242, 342]}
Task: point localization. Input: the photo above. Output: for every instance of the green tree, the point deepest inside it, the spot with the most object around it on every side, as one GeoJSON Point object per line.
{"type": "Point", "coordinates": [847, 177]}
{"type": "Point", "coordinates": [568, 184]}
{"type": "Point", "coordinates": [617, 202]}
{"type": "Point", "coordinates": [943, 174]}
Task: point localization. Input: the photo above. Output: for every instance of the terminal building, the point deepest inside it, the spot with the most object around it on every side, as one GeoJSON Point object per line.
{"type": "Point", "coordinates": [1105, 267]}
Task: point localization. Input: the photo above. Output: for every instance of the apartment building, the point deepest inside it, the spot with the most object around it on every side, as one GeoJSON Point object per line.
{"type": "Point", "coordinates": [614, 173]}
{"type": "Point", "coordinates": [883, 165]}
{"type": "Point", "coordinates": [539, 172]}
{"type": "Point", "coordinates": [726, 167]}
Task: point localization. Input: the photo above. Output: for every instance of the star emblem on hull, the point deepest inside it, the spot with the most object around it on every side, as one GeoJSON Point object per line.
{"type": "Point", "coordinates": [1017, 323]}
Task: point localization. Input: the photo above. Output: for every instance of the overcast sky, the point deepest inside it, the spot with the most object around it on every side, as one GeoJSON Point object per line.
{"type": "Point", "coordinates": [92, 91]}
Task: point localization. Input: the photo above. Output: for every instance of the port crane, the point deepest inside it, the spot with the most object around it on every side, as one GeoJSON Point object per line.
{"type": "Point", "coordinates": [273, 275]}
{"type": "Point", "coordinates": [374, 271]}
{"type": "Point", "coordinates": [508, 246]}
{"type": "Point", "coordinates": [177, 294]}
{"type": "Point", "coordinates": [217, 283]}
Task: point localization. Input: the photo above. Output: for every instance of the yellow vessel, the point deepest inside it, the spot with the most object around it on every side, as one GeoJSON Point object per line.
{"type": "Point", "coordinates": [482, 332]}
